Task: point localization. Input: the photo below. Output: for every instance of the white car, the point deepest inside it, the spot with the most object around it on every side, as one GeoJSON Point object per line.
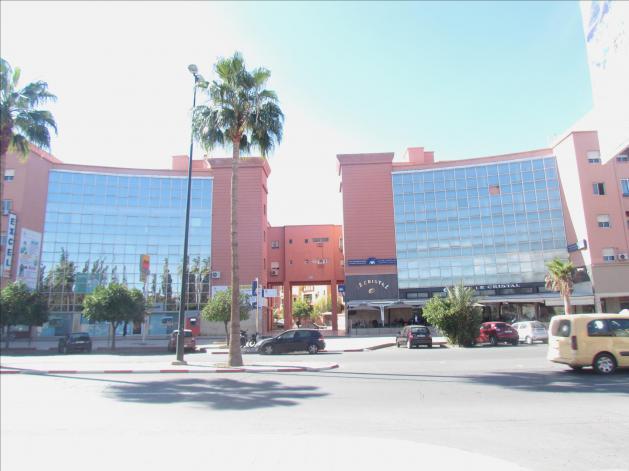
{"type": "Point", "coordinates": [531, 331]}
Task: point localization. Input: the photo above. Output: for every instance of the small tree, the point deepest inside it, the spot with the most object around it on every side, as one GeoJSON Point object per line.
{"type": "Point", "coordinates": [115, 304]}
{"type": "Point", "coordinates": [559, 278]}
{"type": "Point", "coordinates": [218, 309]}
{"type": "Point", "coordinates": [20, 306]}
{"type": "Point", "coordinates": [302, 310]}
{"type": "Point", "coordinates": [456, 315]}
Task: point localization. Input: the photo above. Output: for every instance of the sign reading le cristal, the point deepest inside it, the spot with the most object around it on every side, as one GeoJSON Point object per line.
{"type": "Point", "coordinates": [371, 287]}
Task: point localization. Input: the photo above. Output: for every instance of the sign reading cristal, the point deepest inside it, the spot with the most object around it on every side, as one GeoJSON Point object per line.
{"type": "Point", "coordinates": [381, 283]}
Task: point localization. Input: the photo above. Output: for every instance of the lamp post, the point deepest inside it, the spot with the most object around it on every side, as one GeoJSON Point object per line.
{"type": "Point", "coordinates": [184, 272]}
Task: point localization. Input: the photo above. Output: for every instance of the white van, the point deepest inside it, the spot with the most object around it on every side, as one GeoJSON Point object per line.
{"type": "Point", "coordinates": [597, 340]}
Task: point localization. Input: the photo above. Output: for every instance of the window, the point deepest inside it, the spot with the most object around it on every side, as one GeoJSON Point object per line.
{"type": "Point", "coordinates": [624, 186]}
{"type": "Point", "coordinates": [319, 240]}
{"type": "Point", "coordinates": [7, 206]}
{"type": "Point", "coordinates": [599, 188]}
{"type": "Point", "coordinates": [561, 328]}
{"type": "Point", "coordinates": [609, 255]}
{"type": "Point", "coordinates": [622, 158]}
{"type": "Point", "coordinates": [9, 175]}
{"type": "Point", "coordinates": [275, 268]}
{"type": "Point", "coordinates": [305, 241]}
{"type": "Point", "coordinates": [3, 239]}
{"type": "Point", "coordinates": [603, 220]}
{"type": "Point", "coordinates": [598, 328]}
{"type": "Point", "coordinates": [275, 244]}
{"type": "Point", "coordinates": [619, 327]}
{"type": "Point", "coordinates": [494, 189]}
{"type": "Point", "coordinates": [594, 157]}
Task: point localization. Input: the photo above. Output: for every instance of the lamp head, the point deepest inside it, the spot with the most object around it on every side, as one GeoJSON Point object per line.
{"type": "Point", "coordinates": [194, 70]}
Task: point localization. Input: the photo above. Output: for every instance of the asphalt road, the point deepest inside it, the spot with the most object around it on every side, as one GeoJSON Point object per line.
{"type": "Point", "coordinates": [479, 408]}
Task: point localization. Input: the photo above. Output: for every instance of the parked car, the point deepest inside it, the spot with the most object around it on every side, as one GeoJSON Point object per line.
{"type": "Point", "coordinates": [414, 336]}
{"type": "Point", "coordinates": [294, 340]}
{"type": "Point", "coordinates": [531, 331]}
{"type": "Point", "coordinates": [597, 340]}
{"type": "Point", "coordinates": [497, 332]}
{"type": "Point", "coordinates": [189, 341]}
{"type": "Point", "coordinates": [75, 342]}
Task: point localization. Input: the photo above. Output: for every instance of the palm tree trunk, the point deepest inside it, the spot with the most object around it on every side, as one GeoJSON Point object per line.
{"type": "Point", "coordinates": [235, 355]}
{"type": "Point", "coordinates": [5, 139]}
{"type": "Point", "coordinates": [566, 304]}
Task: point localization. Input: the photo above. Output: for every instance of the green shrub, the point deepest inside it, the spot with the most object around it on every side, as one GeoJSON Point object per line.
{"type": "Point", "coordinates": [456, 315]}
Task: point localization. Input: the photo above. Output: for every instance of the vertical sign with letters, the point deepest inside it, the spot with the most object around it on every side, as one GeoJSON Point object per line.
{"type": "Point", "coordinates": [8, 251]}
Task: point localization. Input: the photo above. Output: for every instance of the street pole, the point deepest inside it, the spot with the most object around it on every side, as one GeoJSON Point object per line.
{"type": "Point", "coordinates": [184, 272]}
{"type": "Point", "coordinates": [258, 300]}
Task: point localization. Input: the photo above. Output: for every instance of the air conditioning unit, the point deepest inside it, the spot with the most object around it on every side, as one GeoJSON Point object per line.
{"type": "Point", "coordinates": [216, 275]}
{"type": "Point", "coordinates": [623, 257]}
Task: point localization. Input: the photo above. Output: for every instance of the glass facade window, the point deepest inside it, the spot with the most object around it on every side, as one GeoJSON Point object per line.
{"type": "Point", "coordinates": [451, 227]}
{"type": "Point", "coordinates": [624, 186]}
{"type": "Point", "coordinates": [97, 227]}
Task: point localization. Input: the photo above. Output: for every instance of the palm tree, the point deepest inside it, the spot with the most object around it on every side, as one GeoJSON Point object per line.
{"type": "Point", "coordinates": [559, 278]}
{"type": "Point", "coordinates": [242, 114]}
{"type": "Point", "coordinates": [21, 123]}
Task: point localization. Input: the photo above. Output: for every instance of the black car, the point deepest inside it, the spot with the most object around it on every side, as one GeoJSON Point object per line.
{"type": "Point", "coordinates": [77, 342]}
{"type": "Point", "coordinates": [295, 340]}
{"type": "Point", "coordinates": [414, 336]}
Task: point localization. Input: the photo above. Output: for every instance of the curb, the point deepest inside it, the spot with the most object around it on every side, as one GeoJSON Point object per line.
{"type": "Point", "coordinates": [245, 369]}
{"type": "Point", "coordinates": [347, 350]}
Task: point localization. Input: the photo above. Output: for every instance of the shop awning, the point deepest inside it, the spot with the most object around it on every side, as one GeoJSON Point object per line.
{"type": "Point", "coordinates": [580, 301]}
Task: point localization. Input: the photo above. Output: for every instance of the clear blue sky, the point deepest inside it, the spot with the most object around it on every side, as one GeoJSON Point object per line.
{"type": "Point", "coordinates": [464, 79]}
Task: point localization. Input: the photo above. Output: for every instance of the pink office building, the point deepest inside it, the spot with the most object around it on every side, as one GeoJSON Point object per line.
{"type": "Point", "coordinates": [413, 227]}
{"type": "Point", "coordinates": [68, 228]}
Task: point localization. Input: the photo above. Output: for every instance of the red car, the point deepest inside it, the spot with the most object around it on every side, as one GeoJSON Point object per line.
{"type": "Point", "coordinates": [495, 332]}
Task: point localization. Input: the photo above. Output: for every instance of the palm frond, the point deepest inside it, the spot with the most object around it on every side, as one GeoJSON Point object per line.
{"type": "Point", "coordinates": [19, 143]}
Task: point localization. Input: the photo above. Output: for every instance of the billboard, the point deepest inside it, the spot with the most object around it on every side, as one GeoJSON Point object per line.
{"type": "Point", "coordinates": [28, 258]}
{"type": "Point", "coordinates": [606, 30]}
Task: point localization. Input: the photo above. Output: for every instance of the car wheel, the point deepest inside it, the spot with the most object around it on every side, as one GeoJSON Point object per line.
{"type": "Point", "coordinates": [60, 349]}
{"type": "Point", "coordinates": [515, 342]}
{"type": "Point", "coordinates": [545, 341]}
{"type": "Point", "coordinates": [268, 349]}
{"type": "Point", "coordinates": [409, 344]}
{"type": "Point", "coordinates": [312, 349]}
{"type": "Point", "coordinates": [604, 364]}
{"type": "Point", "coordinates": [429, 345]}
{"type": "Point", "coordinates": [493, 340]}
{"type": "Point", "coordinates": [89, 349]}
{"type": "Point", "coordinates": [528, 340]}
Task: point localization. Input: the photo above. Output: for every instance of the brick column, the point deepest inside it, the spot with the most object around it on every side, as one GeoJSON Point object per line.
{"type": "Point", "coordinates": [288, 305]}
{"type": "Point", "coordinates": [335, 315]}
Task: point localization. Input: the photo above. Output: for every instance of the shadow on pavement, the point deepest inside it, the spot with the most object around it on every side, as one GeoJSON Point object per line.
{"type": "Point", "coordinates": [227, 394]}
{"type": "Point", "coordinates": [549, 381]}
{"type": "Point", "coordinates": [557, 381]}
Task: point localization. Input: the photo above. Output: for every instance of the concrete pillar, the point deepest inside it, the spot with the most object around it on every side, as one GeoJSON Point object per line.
{"type": "Point", "coordinates": [598, 303]}
{"type": "Point", "coordinates": [382, 315]}
{"type": "Point", "coordinates": [335, 314]}
{"type": "Point", "coordinates": [288, 305]}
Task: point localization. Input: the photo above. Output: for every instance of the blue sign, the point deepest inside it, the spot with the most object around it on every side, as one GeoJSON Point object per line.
{"type": "Point", "coordinates": [579, 245]}
{"type": "Point", "coordinates": [341, 288]}
{"type": "Point", "coordinates": [372, 261]}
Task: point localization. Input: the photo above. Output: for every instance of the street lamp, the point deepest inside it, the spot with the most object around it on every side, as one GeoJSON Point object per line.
{"type": "Point", "coordinates": [184, 272]}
